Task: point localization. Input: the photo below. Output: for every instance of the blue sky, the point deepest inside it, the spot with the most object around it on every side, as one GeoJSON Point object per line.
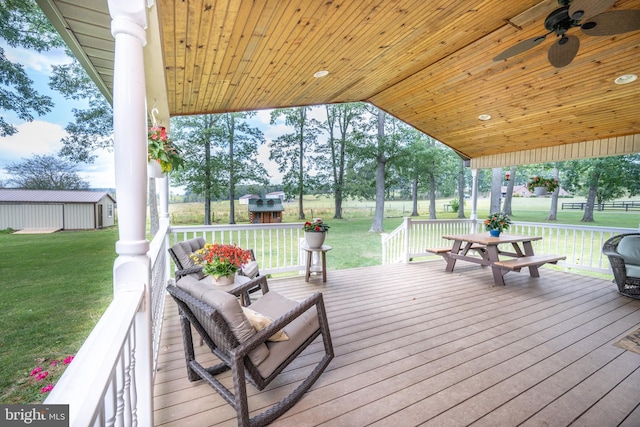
{"type": "Point", "coordinates": [43, 134]}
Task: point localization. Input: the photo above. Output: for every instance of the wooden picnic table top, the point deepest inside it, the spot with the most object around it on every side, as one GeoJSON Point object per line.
{"type": "Point", "coordinates": [487, 239]}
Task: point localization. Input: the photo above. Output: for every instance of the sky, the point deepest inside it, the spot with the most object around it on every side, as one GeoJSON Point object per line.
{"type": "Point", "coordinates": [43, 134]}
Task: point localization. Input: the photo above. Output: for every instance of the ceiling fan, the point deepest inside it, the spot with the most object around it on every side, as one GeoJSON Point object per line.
{"type": "Point", "coordinates": [592, 19]}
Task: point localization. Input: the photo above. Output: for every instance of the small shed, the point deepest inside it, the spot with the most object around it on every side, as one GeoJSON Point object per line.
{"type": "Point", "coordinates": [56, 209]}
{"type": "Point", "coordinates": [265, 211]}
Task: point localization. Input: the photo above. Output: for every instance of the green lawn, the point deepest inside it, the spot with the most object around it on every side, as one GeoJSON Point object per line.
{"type": "Point", "coordinates": [56, 286]}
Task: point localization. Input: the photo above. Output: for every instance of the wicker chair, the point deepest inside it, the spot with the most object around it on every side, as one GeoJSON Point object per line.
{"type": "Point", "coordinates": [250, 356]}
{"type": "Point", "coordinates": [624, 256]}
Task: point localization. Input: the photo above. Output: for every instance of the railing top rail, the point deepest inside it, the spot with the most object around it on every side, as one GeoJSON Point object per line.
{"type": "Point", "coordinates": [575, 227]}
{"type": "Point", "coordinates": [234, 227]}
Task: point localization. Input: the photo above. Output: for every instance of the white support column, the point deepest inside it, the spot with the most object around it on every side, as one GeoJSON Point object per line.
{"type": "Point", "coordinates": [474, 196]}
{"type": "Point", "coordinates": [162, 187]}
{"type": "Point", "coordinates": [132, 267]}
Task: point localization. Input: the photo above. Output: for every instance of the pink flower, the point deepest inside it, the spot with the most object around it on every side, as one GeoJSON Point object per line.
{"type": "Point", "coordinates": [67, 360]}
{"type": "Point", "coordinates": [36, 371]}
{"type": "Point", "coordinates": [46, 389]}
{"type": "Point", "coordinates": [54, 362]}
{"type": "Point", "coordinates": [42, 375]}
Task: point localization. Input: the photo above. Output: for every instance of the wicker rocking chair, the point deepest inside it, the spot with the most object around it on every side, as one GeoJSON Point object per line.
{"type": "Point", "coordinates": [251, 356]}
{"type": "Point", "coordinates": [624, 256]}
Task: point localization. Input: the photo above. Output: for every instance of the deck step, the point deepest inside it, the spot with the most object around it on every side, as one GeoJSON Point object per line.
{"type": "Point", "coordinates": [529, 261]}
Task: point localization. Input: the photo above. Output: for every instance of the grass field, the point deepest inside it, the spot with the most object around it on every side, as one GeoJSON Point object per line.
{"type": "Point", "coordinates": [55, 288]}
{"type": "Point", "coordinates": [57, 285]}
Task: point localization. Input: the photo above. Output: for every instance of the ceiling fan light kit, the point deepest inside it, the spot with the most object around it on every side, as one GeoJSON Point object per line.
{"type": "Point", "coordinates": [590, 16]}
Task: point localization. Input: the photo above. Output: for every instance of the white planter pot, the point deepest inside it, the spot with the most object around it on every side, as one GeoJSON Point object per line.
{"type": "Point", "coordinates": [539, 191]}
{"type": "Point", "coordinates": [154, 170]}
{"type": "Point", "coordinates": [314, 239]}
{"type": "Point", "coordinates": [222, 280]}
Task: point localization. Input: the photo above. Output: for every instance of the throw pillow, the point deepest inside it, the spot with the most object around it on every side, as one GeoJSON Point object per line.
{"type": "Point", "coordinates": [260, 321]}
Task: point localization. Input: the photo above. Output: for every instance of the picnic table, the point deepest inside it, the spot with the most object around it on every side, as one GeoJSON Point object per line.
{"type": "Point", "coordinates": [488, 253]}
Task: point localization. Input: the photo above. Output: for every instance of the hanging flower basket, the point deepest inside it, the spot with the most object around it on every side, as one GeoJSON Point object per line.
{"type": "Point", "coordinates": [161, 150]}
{"type": "Point", "coordinates": [539, 185]}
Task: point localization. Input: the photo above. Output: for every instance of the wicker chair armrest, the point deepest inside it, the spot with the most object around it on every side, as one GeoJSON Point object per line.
{"type": "Point", "coordinates": [260, 281]}
{"type": "Point", "coordinates": [282, 321]}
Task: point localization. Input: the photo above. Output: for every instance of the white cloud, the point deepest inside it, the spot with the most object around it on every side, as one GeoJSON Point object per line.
{"type": "Point", "coordinates": [36, 61]}
{"type": "Point", "coordinates": [36, 137]}
{"type": "Point", "coordinates": [43, 138]}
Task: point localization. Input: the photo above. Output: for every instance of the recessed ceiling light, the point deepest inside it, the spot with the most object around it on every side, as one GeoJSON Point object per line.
{"type": "Point", "coordinates": [321, 73]}
{"type": "Point", "coordinates": [626, 78]}
{"type": "Point", "coordinates": [484, 117]}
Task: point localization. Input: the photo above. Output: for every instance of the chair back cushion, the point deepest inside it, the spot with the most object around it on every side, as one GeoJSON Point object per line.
{"type": "Point", "coordinates": [228, 306]}
{"type": "Point", "coordinates": [183, 251]}
{"type": "Point", "coordinates": [629, 248]}
{"type": "Point", "coordinates": [274, 305]}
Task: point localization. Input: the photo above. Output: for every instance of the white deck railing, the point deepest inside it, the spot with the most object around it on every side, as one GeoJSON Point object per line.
{"type": "Point", "coordinates": [582, 245]}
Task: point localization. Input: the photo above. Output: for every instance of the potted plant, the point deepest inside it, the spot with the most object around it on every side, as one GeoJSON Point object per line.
{"type": "Point", "coordinates": [161, 151]}
{"type": "Point", "coordinates": [539, 185]}
{"type": "Point", "coordinates": [314, 232]}
{"type": "Point", "coordinates": [221, 262]}
{"type": "Point", "coordinates": [497, 223]}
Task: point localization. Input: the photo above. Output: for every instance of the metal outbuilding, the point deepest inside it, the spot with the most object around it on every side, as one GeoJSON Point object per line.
{"type": "Point", "coordinates": [56, 209]}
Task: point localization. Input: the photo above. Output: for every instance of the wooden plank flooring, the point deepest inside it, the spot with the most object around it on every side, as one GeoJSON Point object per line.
{"type": "Point", "coordinates": [417, 346]}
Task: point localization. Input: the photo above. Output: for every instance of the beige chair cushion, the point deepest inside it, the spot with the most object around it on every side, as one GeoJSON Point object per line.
{"type": "Point", "coordinates": [299, 330]}
{"type": "Point", "coordinates": [230, 309]}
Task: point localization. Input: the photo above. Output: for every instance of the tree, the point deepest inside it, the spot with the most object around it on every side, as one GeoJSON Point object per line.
{"type": "Point", "coordinates": [553, 210]}
{"type": "Point", "coordinates": [496, 190]}
{"type": "Point", "coordinates": [378, 145]}
{"type": "Point", "coordinates": [340, 118]}
{"type": "Point", "coordinates": [293, 151]}
{"type": "Point", "coordinates": [93, 126]}
{"type": "Point", "coordinates": [461, 186]}
{"type": "Point", "coordinates": [22, 24]}
{"type": "Point", "coordinates": [45, 173]}
{"type": "Point", "coordinates": [240, 161]}
{"type": "Point", "coordinates": [602, 179]}
{"type": "Point", "coordinates": [506, 209]}
{"type": "Point", "coordinates": [200, 172]}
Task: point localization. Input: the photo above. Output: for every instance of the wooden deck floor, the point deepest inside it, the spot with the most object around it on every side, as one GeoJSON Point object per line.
{"type": "Point", "coordinates": [417, 346]}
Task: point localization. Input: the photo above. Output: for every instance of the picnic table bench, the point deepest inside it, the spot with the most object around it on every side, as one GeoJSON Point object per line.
{"type": "Point", "coordinates": [516, 264]}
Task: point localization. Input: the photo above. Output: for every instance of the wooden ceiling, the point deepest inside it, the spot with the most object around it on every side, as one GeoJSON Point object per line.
{"type": "Point", "coordinates": [428, 63]}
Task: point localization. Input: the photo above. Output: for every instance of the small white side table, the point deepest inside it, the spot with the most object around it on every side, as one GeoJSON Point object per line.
{"type": "Point", "coordinates": [314, 267]}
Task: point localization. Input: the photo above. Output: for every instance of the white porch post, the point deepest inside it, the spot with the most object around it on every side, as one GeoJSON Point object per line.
{"type": "Point", "coordinates": [132, 267]}
{"type": "Point", "coordinates": [474, 197]}
{"type": "Point", "coordinates": [162, 186]}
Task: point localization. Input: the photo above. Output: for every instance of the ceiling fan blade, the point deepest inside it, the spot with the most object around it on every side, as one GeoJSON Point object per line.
{"type": "Point", "coordinates": [520, 47]}
{"type": "Point", "coordinates": [611, 23]}
{"type": "Point", "coordinates": [585, 9]}
{"type": "Point", "coordinates": [563, 51]}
